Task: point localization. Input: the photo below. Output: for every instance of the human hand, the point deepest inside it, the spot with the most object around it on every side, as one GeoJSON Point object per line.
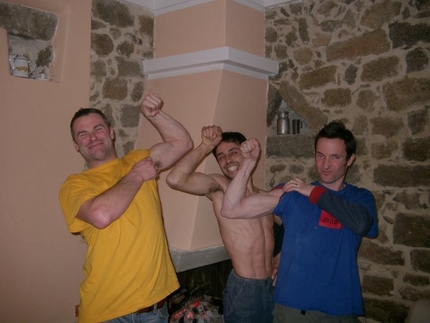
{"type": "Point", "coordinates": [151, 105]}
{"type": "Point", "coordinates": [298, 185]}
{"type": "Point", "coordinates": [146, 168]}
{"type": "Point", "coordinates": [250, 149]}
{"type": "Point", "coordinates": [275, 263]}
{"type": "Point", "coordinates": [211, 135]}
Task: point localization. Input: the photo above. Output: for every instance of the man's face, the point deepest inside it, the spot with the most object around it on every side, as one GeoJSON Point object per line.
{"type": "Point", "coordinates": [331, 162]}
{"type": "Point", "coordinates": [229, 158]}
{"type": "Point", "coordinates": [93, 140]}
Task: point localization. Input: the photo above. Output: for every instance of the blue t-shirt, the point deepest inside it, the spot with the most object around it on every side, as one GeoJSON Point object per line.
{"type": "Point", "coordinates": [318, 268]}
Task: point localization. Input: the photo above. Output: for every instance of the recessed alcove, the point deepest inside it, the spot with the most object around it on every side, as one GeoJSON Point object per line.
{"type": "Point", "coordinates": [305, 128]}
{"type": "Point", "coordinates": [30, 34]}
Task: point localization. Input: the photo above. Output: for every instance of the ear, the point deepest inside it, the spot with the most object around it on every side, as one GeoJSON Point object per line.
{"type": "Point", "coordinates": [350, 160]}
{"type": "Point", "coordinates": [112, 133]}
{"type": "Point", "coordinates": [76, 146]}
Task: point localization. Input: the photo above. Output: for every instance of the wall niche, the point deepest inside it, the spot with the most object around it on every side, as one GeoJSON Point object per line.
{"type": "Point", "coordinates": [30, 33]}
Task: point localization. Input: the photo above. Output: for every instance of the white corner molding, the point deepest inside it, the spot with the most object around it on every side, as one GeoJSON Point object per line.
{"type": "Point", "coordinates": [188, 259]}
{"type": "Point", "coordinates": [222, 58]}
{"type": "Point", "coordinates": [159, 7]}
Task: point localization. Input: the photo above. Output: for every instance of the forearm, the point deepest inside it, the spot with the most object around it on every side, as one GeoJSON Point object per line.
{"type": "Point", "coordinates": [234, 203]}
{"type": "Point", "coordinates": [183, 176]}
{"type": "Point", "coordinates": [109, 206]}
{"type": "Point", "coordinates": [354, 216]}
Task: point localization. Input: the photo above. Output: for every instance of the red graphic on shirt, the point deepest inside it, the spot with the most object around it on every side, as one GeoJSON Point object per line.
{"type": "Point", "coordinates": [327, 220]}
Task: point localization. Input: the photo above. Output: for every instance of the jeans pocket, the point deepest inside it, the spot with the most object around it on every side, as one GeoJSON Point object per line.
{"type": "Point", "coordinates": [163, 312]}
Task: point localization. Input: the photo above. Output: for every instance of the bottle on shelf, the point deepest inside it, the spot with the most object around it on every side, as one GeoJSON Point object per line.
{"type": "Point", "coordinates": [283, 123]}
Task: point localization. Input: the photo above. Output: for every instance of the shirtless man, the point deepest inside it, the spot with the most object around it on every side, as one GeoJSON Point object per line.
{"type": "Point", "coordinates": [247, 297]}
{"type": "Point", "coordinates": [325, 221]}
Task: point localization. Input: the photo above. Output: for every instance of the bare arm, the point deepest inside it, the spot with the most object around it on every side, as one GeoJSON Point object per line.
{"type": "Point", "coordinates": [176, 139]}
{"type": "Point", "coordinates": [235, 203]}
{"type": "Point", "coordinates": [107, 207]}
{"type": "Point", "coordinates": [184, 177]}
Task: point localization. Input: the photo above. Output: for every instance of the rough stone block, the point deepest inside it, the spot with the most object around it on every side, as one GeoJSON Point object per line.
{"type": "Point", "coordinates": [382, 286]}
{"type": "Point", "coordinates": [411, 230]}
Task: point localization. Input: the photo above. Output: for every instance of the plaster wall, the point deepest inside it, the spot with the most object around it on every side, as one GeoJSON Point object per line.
{"type": "Point", "coordinates": [41, 262]}
{"type": "Point", "coordinates": [227, 23]}
{"type": "Point", "coordinates": [233, 101]}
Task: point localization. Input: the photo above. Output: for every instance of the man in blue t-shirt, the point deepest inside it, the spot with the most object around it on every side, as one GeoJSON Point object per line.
{"type": "Point", "coordinates": [324, 222]}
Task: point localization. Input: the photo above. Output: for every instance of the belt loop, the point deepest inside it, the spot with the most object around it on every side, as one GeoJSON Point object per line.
{"type": "Point", "coordinates": [303, 312]}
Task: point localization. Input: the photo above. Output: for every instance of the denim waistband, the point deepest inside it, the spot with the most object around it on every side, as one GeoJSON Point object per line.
{"type": "Point", "coordinates": [258, 282]}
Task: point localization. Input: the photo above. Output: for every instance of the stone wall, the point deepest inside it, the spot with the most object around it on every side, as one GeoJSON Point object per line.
{"type": "Point", "coordinates": [121, 37]}
{"type": "Point", "coordinates": [30, 32]}
{"type": "Point", "coordinates": [366, 63]}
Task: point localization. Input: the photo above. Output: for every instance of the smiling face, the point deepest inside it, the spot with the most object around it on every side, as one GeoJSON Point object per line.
{"type": "Point", "coordinates": [229, 158]}
{"type": "Point", "coordinates": [331, 162]}
{"type": "Point", "coordinates": [93, 139]}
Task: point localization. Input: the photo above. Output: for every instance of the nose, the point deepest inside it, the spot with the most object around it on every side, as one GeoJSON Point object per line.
{"type": "Point", "coordinates": [326, 163]}
{"type": "Point", "coordinates": [92, 135]}
{"type": "Point", "coordinates": [228, 159]}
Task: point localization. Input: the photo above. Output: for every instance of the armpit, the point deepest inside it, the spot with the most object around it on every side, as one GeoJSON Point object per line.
{"type": "Point", "coordinates": [215, 187]}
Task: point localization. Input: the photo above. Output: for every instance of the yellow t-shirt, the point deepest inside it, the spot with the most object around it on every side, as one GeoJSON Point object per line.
{"type": "Point", "coordinates": [128, 265]}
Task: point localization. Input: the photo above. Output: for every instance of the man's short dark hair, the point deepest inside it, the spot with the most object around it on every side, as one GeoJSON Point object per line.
{"type": "Point", "coordinates": [336, 129]}
{"type": "Point", "coordinates": [235, 137]}
{"type": "Point", "coordinates": [87, 111]}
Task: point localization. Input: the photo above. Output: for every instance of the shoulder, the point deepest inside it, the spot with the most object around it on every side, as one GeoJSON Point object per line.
{"type": "Point", "coordinates": [357, 190]}
{"type": "Point", "coordinates": [75, 179]}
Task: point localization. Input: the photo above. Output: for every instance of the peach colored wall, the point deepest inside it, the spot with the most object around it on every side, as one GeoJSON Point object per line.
{"type": "Point", "coordinates": [210, 25]}
{"type": "Point", "coordinates": [244, 24]}
{"type": "Point", "coordinates": [189, 30]}
{"type": "Point", "coordinates": [233, 101]}
{"type": "Point", "coordinates": [41, 261]}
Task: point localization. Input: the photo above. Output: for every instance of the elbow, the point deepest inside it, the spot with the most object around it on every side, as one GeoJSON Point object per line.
{"type": "Point", "coordinates": [225, 213]}
{"type": "Point", "coordinates": [177, 181]}
{"type": "Point", "coordinates": [364, 227]}
{"type": "Point", "coordinates": [173, 181]}
{"type": "Point", "coordinates": [101, 224]}
{"type": "Point", "coordinates": [100, 218]}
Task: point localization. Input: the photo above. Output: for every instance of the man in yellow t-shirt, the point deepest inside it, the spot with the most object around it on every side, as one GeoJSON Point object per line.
{"type": "Point", "coordinates": [115, 206]}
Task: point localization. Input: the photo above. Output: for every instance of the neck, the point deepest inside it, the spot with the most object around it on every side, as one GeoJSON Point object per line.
{"type": "Point", "coordinates": [334, 186]}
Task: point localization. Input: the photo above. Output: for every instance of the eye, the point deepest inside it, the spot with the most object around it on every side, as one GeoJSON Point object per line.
{"type": "Point", "coordinates": [82, 135]}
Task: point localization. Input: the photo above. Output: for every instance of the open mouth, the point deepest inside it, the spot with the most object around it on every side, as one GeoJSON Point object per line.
{"type": "Point", "coordinates": [232, 168]}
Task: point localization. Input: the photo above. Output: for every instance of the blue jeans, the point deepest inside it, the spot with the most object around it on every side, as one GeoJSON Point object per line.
{"type": "Point", "coordinates": [248, 300]}
{"type": "Point", "coordinates": [159, 315]}
{"type": "Point", "coordinates": [289, 314]}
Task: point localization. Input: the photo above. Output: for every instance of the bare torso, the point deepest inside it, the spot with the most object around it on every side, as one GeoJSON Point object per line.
{"type": "Point", "coordinates": [249, 242]}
